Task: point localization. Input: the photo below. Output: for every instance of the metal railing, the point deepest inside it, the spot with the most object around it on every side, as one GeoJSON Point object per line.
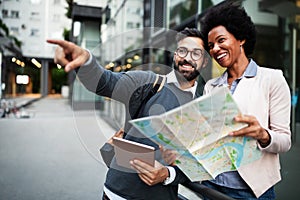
{"type": "Point", "coordinates": [204, 191]}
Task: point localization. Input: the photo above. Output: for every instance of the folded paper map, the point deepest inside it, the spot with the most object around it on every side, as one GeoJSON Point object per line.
{"type": "Point", "coordinates": [198, 131]}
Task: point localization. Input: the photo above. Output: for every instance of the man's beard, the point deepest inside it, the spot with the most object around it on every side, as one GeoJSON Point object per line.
{"type": "Point", "coordinates": [187, 75]}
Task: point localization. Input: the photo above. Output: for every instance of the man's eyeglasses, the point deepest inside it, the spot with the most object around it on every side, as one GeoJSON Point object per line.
{"type": "Point", "coordinates": [182, 52]}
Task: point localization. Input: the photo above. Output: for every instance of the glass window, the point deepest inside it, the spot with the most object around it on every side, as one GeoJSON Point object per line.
{"type": "Point", "coordinates": [14, 14]}
{"type": "Point", "coordinates": [14, 31]}
{"type": "Point", "coordinates": [158, 13]}
{"type": "Point", "coordinates": [139, 12]}
{"type": "Point", "coordinates": [35, 16]}
{"type": "Point", "coordinates": [5, 13]}
{"type": "Point", "coordinates": [34, 32]}
{"type": "Point", "coordinates": [35, 13]}
{"type": "Point", "coordinates": [130, 25]}
{"type": "Point", "coordinates": [181, 10]}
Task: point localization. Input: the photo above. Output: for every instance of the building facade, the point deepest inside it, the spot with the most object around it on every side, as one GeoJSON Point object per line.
{"type": "Point", "coordinates": [137, 34]}
{"type": "Point", "coordinates": [32, 22]}
{"type": "Point", "coordinates": [277, 46]}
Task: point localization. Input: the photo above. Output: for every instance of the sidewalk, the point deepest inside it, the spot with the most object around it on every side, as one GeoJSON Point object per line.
{"type": "Point", "coordinates": [14, 106]}
{"type": "Point", "coordinates": [54, 155]}
{"type": "Point", "coordinates": [24, 100]}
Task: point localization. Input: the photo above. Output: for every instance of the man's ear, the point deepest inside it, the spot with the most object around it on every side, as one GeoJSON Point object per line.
{"type": "Point", "coordinates": [205, 62]}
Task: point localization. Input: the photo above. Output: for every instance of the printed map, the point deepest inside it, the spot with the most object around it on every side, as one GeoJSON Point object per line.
{"type": "Point", "coordinates": [198, 131]}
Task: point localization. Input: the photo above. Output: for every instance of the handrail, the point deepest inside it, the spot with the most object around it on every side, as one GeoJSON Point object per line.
{"type": "Point", "coordinates": [205, 191]}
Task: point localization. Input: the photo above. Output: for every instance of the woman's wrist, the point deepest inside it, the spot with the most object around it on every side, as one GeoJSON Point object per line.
{"type": "Point", "coordinates": [265, 140]}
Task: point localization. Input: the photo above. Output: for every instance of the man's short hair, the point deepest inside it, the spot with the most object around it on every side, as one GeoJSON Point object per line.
{"type": "Point", "coordinates": [188, 32]}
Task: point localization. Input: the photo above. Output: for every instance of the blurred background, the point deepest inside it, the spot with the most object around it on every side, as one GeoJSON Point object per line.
{"type": "Point", "coordinates": [128, 35]}
{"type": "Point", "coordinates": [116, 31]}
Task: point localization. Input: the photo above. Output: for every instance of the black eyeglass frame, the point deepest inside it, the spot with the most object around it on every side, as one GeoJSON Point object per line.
{"type": "Point", "coordinates": [187, 51]}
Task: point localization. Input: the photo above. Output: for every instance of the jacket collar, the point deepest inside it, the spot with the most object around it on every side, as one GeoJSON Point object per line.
{"type": "Point", "coordinates": [250, 72]}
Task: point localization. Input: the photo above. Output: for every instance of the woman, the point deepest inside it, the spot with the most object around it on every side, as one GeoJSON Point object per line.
{"type": "Point", "coordinates": [262, 94]}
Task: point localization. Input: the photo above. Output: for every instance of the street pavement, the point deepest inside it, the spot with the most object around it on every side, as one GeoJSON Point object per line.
{"type": "Point", "coordinates": [54, 154]}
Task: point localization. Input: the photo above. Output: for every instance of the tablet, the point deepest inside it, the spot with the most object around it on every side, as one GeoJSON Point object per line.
{"type": "Point", "coordinates": [126, 150]}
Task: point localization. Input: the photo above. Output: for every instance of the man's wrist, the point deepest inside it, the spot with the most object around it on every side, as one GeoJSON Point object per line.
{"type": "Point", "coordinates": [171, 177]}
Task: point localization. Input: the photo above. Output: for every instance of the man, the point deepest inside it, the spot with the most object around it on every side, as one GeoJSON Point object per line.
{"type": "Point", "coordinates": [143, 181]}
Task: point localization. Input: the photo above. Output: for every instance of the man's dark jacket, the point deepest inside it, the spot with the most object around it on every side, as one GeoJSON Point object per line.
{"type": "Point", "coordinates": [132, 88]}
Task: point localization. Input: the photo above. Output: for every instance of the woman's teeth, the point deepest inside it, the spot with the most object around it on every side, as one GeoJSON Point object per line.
{"type": "Point", "coordinates": [221, 56]}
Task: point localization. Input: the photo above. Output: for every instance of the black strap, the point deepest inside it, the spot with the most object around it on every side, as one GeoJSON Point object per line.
{"type": "Point", "coordinates": [152, 92]}
{"type": "Point", "coordinates": [107, 150]}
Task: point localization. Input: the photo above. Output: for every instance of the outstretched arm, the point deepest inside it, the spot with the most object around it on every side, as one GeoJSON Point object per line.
{"type": "Point", "coordinates": [69, 54]}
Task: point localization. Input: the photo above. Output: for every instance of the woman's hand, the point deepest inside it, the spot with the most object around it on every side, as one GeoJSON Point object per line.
{"type": "Point", "coordinates": [168, 155]}
{"type": "Point", "coordinates": [254, 130]}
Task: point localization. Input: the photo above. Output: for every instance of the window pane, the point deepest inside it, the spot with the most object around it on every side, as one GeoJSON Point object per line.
{"type": "Point", "coordinates": [181, 10]}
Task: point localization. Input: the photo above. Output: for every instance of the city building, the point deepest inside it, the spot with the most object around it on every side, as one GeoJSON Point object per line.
{"type": "Point", "coordinates": [122, 35]}
{"type": "Point", "coordinates": [135, 34]}
{"type": "Point", "coordinates": [277, 23]}
{"type": "Point", "coordinates": [32, 22]}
